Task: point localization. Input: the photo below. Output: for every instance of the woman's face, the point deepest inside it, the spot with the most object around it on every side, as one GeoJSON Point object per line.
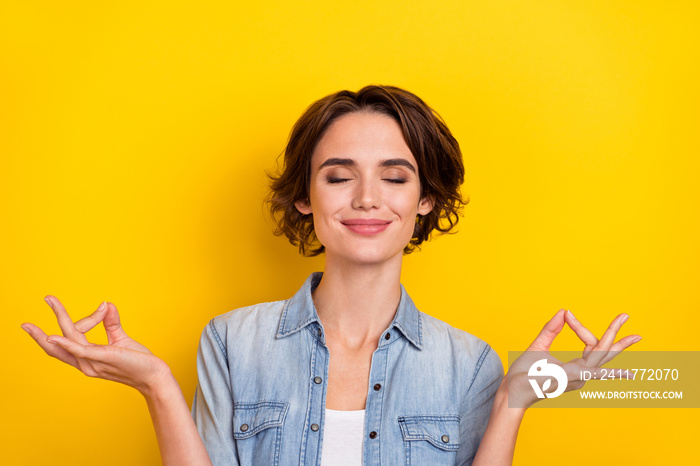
{"type": "Point", "coordinates": [365, 190]}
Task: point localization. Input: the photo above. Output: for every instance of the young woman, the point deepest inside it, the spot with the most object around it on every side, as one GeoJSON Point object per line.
{"type": "Point", "coordinates": [347, 371]}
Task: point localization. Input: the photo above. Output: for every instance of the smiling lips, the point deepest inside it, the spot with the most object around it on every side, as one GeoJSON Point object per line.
{"type": "Point", "coordinates": [366, 226]}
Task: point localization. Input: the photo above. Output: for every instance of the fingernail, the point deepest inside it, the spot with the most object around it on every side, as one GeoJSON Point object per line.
{"type": "Point", "coordinates": [51, 341]}
{"type": "Point", "coordinates": [26, 329]}
{"type": "Point", "coordinates": [624, 319]}
{"type": "Point", "coordinates": [48, 301]}
{"type": "Point", "coordinates": [571, 314]}
{"type": "Point", "coordinates": [102, 306]}
{"type": "Point", "coordinates": [636, 339]}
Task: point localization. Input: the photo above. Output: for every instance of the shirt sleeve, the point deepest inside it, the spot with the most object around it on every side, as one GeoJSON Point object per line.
{"type": "Point", "coordinates": [212, 408]}
{"type": "Point", "coordinates": [476, 405]}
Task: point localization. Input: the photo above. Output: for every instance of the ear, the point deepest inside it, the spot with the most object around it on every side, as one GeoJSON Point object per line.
{"type": "Point", "coordinates": [425, 206]}
{"type": "Point", "coordinates": [303, 206]}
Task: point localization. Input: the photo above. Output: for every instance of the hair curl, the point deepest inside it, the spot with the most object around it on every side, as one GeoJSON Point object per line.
{"type": "Point", "coordinates": [437, 152]}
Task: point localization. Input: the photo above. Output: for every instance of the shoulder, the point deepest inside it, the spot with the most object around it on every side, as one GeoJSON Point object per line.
{"type": "Point", "coordinates": [438, 333]}
{"type": "Point", "coordinates": [248, 320]}
{"type": "Point", "coordinates": [462, 346]}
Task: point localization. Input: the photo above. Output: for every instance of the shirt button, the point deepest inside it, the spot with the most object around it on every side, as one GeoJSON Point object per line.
{"type": "Point", "coordinates": [244, 427]}
{"type": "Point", "coordinates": [318, 380]}
{"type": "Point", "coordinates": [387, 336]}
{"type": "Point", "coordinates": [377, 387]}
{"type": "Point", "coordinates": [373, 434]}
{"type": "Point", "coordinates": [445, 439]}
{"type": "Point", "coordinates": [314, 427]}
{"type": "Point", "coordinates": [320, 332]}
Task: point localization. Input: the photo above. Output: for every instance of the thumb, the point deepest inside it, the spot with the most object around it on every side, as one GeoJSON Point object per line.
{"type": "Point", "coordinates": [112, 324]}
{"type": "Point", "coordinates": [550, 330]}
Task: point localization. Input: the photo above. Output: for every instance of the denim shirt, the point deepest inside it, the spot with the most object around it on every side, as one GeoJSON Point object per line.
{"type": "Point", "coordinates": [262, 383]}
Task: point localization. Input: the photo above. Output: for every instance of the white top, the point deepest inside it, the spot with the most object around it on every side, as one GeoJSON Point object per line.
{"type": "Point", "coordinates": [342, 438]}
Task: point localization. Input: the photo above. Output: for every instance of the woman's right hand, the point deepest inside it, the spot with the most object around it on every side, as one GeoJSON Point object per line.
{"type": "Point", "coordinates": [127, 361]}
{"type": "Point", "coordinates": [122, 360]}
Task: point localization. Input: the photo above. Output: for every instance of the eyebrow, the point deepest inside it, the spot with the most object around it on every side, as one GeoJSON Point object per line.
{"type": "Point", "coordinates": [384, 163]}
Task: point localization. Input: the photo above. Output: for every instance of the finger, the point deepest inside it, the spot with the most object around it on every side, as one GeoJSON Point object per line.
{"type": "Point", "coordinates": [606, 341]}
{"type": "Point", "coordinates": [112, 324]}
{"type": "Point", "coordinates": [64, 320]}
{"type": "Point", "coordinates": [585, 335]}
{"type": "Point", "coordinates": [76, 349]}
{"type": "Point", "coordinates": [550, 330]}
{"type": "Point", "coordinates": [90, 358]}
{"type": "Point", "coordinates": [89, 353]}
{"type": "Point", "coordinates": [86, 324]}
{"type": "Point", "coordinates": [49, 348]}
{"type": "Point", "coordinates": [621, 345]}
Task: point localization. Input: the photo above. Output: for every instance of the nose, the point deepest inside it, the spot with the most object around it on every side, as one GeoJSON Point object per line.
{"type": "Point", "coordinates": [367, 195]}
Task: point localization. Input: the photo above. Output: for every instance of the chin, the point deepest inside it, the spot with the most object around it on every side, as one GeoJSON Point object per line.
{"type": "Point", "coordinates": [367, 255]}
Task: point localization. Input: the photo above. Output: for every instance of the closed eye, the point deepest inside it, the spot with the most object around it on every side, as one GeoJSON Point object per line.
{"type": "Point", "coordinates": [333, 180]}
{"type": "Point", "coordinates": [336, 180]}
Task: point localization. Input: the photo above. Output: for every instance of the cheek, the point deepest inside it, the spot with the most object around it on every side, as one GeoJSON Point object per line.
{"type": "Point", "coordinates": [324, 207]}
{"type": "Point", "coordinates": [406, 206]}
{"type": "Point", "coordinates": [407, 209]}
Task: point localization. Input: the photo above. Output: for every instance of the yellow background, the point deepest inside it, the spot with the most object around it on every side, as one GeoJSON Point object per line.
{"type": "Point", "coordinates": [134, 137]}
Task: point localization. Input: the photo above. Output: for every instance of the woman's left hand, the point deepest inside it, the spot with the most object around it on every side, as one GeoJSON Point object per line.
{"type": "Point", "coordinates": [596, 353]}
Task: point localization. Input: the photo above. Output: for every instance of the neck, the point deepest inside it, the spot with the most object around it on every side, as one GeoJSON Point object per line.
{"type": "Point", "coordinates": [357, 302]}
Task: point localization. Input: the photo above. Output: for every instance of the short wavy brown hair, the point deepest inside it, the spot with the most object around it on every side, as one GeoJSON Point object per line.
{"type": "Point", "coordinates": [440, 167]}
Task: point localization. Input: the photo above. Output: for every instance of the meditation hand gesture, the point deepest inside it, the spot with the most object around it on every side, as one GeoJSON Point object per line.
{"type": "Point", "coordinates": [516, 394]}
{"type": "Point", "coordinates": [122, 360]}
{"type": "Point", "coordinates": [127, 361]}
{"type": "Point", "coordinates": [595, 354]}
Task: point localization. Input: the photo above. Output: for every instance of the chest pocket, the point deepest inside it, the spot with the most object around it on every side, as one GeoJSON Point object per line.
{"type": "Point", "coordinates": [430, 439]}
{"type": "Point", "coordinates": [257, 430]}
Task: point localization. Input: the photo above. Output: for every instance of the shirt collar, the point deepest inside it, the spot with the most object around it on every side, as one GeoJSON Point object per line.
{"type": "Point", "coordinates": [299, 312]}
